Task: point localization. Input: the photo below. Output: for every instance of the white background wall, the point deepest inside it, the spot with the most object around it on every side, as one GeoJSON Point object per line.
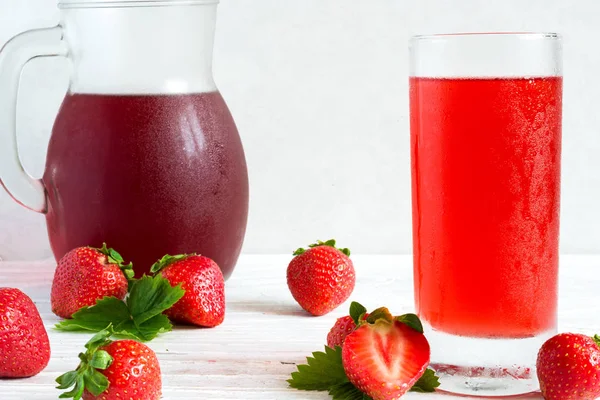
{"type": "Point", "coordinates": [319, 91]}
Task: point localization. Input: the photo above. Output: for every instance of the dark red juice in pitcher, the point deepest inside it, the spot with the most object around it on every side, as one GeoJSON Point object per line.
{"type": "Point", "coordinates": [149, 175]}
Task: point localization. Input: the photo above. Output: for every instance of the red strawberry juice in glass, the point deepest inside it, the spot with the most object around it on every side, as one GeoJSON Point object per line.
{"type": "Point", "coordinates": [488, 236]}
{"type": "Point", "coordinates": [485, 155]}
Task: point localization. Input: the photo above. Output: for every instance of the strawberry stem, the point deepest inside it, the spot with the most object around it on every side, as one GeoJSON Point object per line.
{"type": "Point", "coordinates": [380, 313]}
{"type": "Point", "coordinates": [330, 243]}
{"type": "Point", "coordinates": [597, 339]}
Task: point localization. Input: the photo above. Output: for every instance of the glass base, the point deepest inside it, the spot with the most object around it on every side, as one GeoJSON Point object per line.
{"type": "Point", "coordinates": [485, 367]}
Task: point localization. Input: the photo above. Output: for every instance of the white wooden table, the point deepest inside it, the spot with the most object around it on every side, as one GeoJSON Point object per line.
{"type": "Point", "coordinates": [265, 332]}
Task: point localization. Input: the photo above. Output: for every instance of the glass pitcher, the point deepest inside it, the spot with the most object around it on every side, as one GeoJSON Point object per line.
{"type": "Point", "coordinates": [144, 154]}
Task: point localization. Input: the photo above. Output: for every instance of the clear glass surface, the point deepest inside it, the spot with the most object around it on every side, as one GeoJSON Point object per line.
{"type": "Point", "coordinates": [485, 115]}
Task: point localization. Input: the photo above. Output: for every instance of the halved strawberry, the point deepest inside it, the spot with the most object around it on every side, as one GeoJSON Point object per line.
{"type": "Point", "coordinates": [385, 356]}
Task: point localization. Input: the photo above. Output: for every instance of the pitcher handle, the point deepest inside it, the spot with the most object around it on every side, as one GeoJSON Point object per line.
{"type": "Point", "coordinates": [14, 55]}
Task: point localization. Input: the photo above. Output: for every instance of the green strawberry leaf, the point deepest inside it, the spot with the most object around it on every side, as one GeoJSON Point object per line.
{"type": "Point", "coordinates": [412, 321]}
{"type": "Point", "coordinates": [166, 261]}
{"type": "Point", "coordinates": [299, 251]}
{"type": "Point", "coordinates": [108, 310]}
{"type": "Point", "coordinates": [101, 359]}
{"type": "Point", "coordinates": [356, 311]}
{"type": "Point", "coordinates": [139, 318]}
{"type": "Point", "coordinates": [95, 382]}
{"type": "Point", "coordinates": [87, 375]}
{"type": "Point", "coordinates": [67, 380]}
{"type": "Point", "coordinates": [347, 391]}
{"type": "Point", "coordinates": [100, 339]}
{"type": "Point", "coordinates": [330, 243]}
{"type": "Point", "coordinates": [597, 339]}
{"type": "Point", "coordinates": [322, 371]}
{"type": "Point", "coordinates": [77, 391]}
{"type": "Point", "coordinates": [128, 271]}
{"type": "Point", "coordinates": [151, 296]}
{"type": "Point", "coordinates": [426, 383]}
{"type": "Point", "coordinates": [115, 258]}
{"type": "Point", "coordinates": [154, 326]}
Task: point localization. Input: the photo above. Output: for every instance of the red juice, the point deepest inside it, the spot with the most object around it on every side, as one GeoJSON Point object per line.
{"type": "Point", "coordinates": [149, 175]}
{"type": "Point", "coordinates": [485, 159]}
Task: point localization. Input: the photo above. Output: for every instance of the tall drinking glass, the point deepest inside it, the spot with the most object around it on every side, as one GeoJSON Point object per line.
{"type": "Point", "coordinates": [485, 118]}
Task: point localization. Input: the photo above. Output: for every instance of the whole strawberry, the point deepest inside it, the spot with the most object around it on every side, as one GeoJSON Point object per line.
{"type": "Point", "coordinates": [385, 356]}
{"type": "Point", "coordinates": [24, 345]}
{"type": "Point", "coordinates": [85, 275]}
{"type": "Point", "coordinates": [203, 303]}
{"type": "Point", "coordinates": [342, 328]}
{"type": "Point", "coordinates": [346, 325]}
{"type": "Point", "coordinates": [568, 367]}
{"type": "Point", "coordinates": [123, 369]}
{"type": "Point", "coordinates": [321, 278]}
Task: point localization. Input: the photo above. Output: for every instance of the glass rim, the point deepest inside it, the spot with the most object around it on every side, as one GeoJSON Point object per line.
{"type": "Point", "coordinates": [509, 34]}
